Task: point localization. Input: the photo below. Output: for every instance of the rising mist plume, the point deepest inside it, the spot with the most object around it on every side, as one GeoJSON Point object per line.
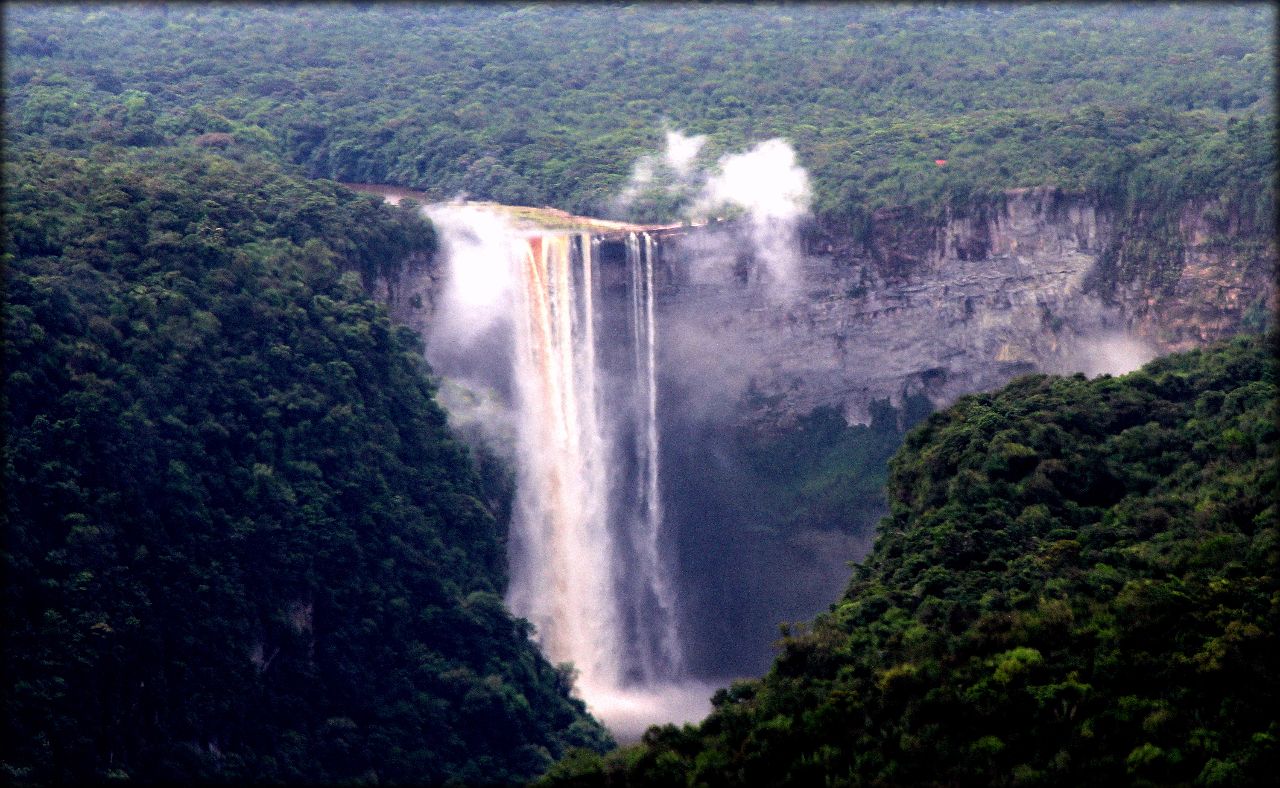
{"type": "Point", "coordinates": [765, 185]}
{"type": "Point", "coordinates": [773, 189]}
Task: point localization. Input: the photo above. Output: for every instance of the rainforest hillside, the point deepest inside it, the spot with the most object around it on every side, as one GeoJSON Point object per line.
{"type": "Point", "coordinates": [1077, 585]}
{"type": "Point", "coordinates": [240, 543]}
{"type": "Point", "coordinates": [554, 103]}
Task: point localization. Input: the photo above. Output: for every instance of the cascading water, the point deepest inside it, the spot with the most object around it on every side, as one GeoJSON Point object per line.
{"type": "Point", "coordinates": [586, 545]}
{"type": "Point", "coordinates": [663, 660]}
{"type": "Point", "coordinates": [561, 579]}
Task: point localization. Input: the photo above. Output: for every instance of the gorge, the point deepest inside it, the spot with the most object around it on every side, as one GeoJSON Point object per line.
{"type": "Point", "coordinates": [606, 358]}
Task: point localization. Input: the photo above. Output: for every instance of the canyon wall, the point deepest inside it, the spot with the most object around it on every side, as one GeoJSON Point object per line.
{"type": "Point", "coordinates": [938, 307]}
{"type": "Point", "coordinates": [949, 306]}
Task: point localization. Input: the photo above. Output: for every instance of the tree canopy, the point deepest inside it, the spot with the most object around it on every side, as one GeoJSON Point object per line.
{"type": "Point", "coordinates": [554, 103]}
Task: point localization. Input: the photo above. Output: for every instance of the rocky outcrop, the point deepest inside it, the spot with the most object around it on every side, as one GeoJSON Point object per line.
{"type": "Point", "coordinates": [1223, 281]}
{"type": "Point", "coordinates": [409, 291]}
{"type": "Point", "coordinates": [945, 306]}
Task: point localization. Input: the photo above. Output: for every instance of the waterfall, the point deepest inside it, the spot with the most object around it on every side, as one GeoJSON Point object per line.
{"type": "Point", "coordinates": [589, 568]}
{"type": "Point", "coordinates": [663, 659]}
{"type": "Point", "coordinates": [563, 583]}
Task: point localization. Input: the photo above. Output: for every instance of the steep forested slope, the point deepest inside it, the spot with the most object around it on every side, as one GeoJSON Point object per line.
{"type": "Point", "coordinates": [1077, 585]}
{"type": "Point", "coordinates": [552, 104]}
{"type": "Point", "coordinates": [240, 543]}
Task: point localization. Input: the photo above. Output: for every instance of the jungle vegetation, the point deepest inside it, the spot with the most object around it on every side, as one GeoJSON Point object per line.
{"type": "Point", "coordinates": [240, 542]}
{"type": "Point", "coordinates": [1076, 585]}
{"type": "Point", "coordinates": [552, 104]}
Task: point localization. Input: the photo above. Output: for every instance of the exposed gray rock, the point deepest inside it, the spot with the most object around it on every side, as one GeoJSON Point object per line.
{"type": "Point", "coordinates": [945, 308]}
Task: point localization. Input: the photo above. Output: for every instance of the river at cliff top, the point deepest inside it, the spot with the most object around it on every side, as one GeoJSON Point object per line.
{"type": "Point", "coordinates": [546, 217]}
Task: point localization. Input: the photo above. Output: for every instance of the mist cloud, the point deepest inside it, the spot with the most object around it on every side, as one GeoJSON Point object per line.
{"type": "Point", "coordinates": [765, 185]}
{"type": "Point", "coordinates": [670, 177]}
{"type": "Point", "coordinates": [772, 188]}
{"type": "Point", "coordinates": [682, 150]}
{"type": "Point", "coordinates": [469, 343]}
{"type": "Point", "coordinates": [766, 181]}
{"type": "Point", "coordinates": [1111, 353]}
{"type": "Point", "coordinates": [478, 247]}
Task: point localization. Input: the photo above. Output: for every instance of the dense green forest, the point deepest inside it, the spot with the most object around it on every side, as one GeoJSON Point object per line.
{"type": "Point", "coordinates": [1077, 585]}
{"type": "Point", "coordinates": [240, 543]}
{"type": "Point", "coordinates": [553, 103]}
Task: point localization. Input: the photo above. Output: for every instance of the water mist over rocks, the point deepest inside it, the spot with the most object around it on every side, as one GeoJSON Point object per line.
{"type": "Point", "coordinates": [766, 184]}
{"type": "Point", "coordinates": [469, 340]}
{"type": "Point", "coordinates": [1105, 353]}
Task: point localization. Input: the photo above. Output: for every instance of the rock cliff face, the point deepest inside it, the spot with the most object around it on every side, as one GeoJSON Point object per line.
{"type": "Point", "coordinates": [946, 307]}
{"type": "Point", "coordinates": [1224, 282]}
{"type": "Point", "coordinates": [1039, 282]}
{"type": "Point", "coordinates": [410, 292]}
{"type": "Point", "coordinates": [935, 306]}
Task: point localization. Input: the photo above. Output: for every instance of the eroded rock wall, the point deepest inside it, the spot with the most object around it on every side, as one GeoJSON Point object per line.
{"type": "Point", "coordinates": [944, 307]}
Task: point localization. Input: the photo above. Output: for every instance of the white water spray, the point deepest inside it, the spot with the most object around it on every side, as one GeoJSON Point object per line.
{"type": "Point", "coordinates": [773, 188]}
{"type": "Point", "coordinates": [765, 183]}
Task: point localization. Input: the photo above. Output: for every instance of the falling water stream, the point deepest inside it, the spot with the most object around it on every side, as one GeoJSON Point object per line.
{"type": "Point", "coordinates": [562, 581]}
{"type": "Point", "coordinates": [588, 566]}
{"type": "Point", "coordinates": [664, 659]}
